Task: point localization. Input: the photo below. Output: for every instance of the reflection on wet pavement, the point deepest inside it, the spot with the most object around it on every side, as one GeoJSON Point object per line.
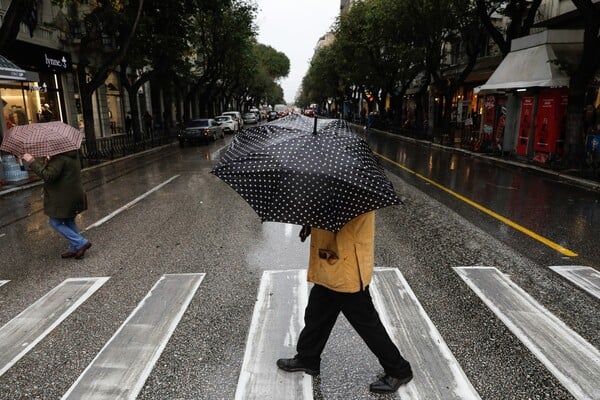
{"type": "Point", "coordinates": [279, 247]}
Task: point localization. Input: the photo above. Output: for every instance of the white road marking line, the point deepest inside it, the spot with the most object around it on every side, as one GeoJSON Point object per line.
{"type": "Point", "coordinates": [128, 205]}
{"type": "Point", "coordinates": [277, 320]}
{"type": "Point", "coordinates": [574, 361]}
{"type": "Point", "coordinates": [586, 278]}
{"type": "Point", "coordinates": [3, 282]}
{"type": "Point", "coordinates": [2, 235]}
{"type": "Point", "coordinates": [121, 368]}
{"type": "Point", "coordinates": [23, 332]}
{"type": "Point", "coordinates": [437, 373]}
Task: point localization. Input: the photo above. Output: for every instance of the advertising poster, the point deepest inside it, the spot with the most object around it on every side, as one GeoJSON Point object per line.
{"type": "Point", "coordinates": [525, 125]}
{"type": "Point", "coordinates": [489, 117]}
{"type": "Point", "coordinates": [502, 111]}
{"type": "Point", "coordinates": [550, 122]}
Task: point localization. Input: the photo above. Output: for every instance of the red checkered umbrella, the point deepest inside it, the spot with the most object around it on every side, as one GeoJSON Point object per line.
{"type": "Point", "coordinates": [41, 140]}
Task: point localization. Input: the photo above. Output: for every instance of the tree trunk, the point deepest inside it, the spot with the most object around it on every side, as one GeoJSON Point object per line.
{"type": "Point", "coordinates": [87, 109]}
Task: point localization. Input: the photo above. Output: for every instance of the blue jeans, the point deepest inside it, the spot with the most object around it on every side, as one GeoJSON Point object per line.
{"type": "Point", "coordinates": [68, 228]}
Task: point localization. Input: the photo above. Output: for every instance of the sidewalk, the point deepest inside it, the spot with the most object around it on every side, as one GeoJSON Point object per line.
{"type": "Point", "coordinates": [34, 180]}
{"type": "Point", "coordinates": [573, 177]}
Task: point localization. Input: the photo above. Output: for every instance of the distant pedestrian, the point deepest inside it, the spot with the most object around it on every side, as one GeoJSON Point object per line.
{"type": "Point", "coordinates": [64, 197]}
{"type": "Point", "coordinates": [148, 122]}
{"type": "Point", "coordinates": [370, 120]}
{"type": "Point", "coordinates": [47, 114]}
{"type": "Point", "coordinates": [341, 267]}
{"type": "Point", "coordinates": [128, 123]}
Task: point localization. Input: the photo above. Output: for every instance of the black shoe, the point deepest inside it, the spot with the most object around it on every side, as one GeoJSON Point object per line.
{"type": "Point", "coordinates": [389, 384]}
{"type": "Point", "coordinates": [80, 253]}
{"type": "Point", "coordinates": [293, 365]}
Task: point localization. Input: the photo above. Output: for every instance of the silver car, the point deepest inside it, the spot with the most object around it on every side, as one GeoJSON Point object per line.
{"type": "Point", "coordinates": [200, 130]}
{"type": "Point", "coordinates": [249, 118]}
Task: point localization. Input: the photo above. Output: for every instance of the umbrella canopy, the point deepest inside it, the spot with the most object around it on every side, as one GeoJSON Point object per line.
{"type": "Point", "coordinates": [288, 173]}
{"type": "Point", "coordinates": [41, 140]}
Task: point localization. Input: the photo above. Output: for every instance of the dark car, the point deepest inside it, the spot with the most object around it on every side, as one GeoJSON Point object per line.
{"type": "Point", "coordinates": [200, 130]}
{"type": "Point", "coordinates": [272, 116]}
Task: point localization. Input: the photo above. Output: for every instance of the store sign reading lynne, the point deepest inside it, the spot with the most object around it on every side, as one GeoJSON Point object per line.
{"type": "Point", "coordinates": [41, 89]}
{"type": "Point", "coordinates": [54, 63]}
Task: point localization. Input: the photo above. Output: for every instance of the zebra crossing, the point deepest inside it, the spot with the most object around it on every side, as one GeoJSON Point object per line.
{"type": "Point", "coordinates": [120, 369]}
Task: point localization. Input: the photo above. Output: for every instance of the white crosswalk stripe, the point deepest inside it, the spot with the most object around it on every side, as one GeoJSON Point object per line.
{"type": "Point", "coordinates": [570, 358]}
{"type": "Point", "coordinates": [121, 368]}
{"type": "Point", "coordinates": [586, 278]}
{"type": "Point", "coordinates": [439, 377]}
{"type": "Point", "coordinates": [277, 321]}
{"type": "Point", "coordinates": [24, 331]}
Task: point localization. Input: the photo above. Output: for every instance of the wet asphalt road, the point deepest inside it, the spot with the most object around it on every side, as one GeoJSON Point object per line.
{"type": "Point", "coordinates": [196, 223]}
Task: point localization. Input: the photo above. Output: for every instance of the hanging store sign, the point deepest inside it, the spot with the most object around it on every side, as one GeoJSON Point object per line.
{"type": "Point", "coordinates": [39, 58]}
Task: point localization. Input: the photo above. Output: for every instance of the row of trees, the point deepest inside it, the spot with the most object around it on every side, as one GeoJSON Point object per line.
{"type": "Point", "coordinates": [384, 47]}
{"type": "Point", "coordinates": [196, 52]}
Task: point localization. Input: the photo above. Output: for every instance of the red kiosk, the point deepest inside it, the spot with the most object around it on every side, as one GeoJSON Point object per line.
{"type": "Point", "coordinates": [550, 123]}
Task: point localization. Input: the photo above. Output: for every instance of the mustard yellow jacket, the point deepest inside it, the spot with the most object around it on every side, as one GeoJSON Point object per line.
{"type": "Point", "coordinates": [354, 247]}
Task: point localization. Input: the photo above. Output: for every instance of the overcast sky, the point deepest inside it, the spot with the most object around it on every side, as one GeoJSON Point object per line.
{"type": "Point", "coordinates": [293, 27]}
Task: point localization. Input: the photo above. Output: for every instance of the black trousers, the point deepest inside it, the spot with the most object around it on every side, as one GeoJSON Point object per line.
{"type": "Point", "coordinates": [324, 306]}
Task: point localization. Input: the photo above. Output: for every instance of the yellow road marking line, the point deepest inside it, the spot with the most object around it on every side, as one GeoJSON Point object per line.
{"type": "Point", "coordinates": [522, 229]}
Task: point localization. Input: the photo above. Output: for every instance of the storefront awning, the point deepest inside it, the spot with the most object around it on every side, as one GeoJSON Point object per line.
{"type": "Point", "coordinates": [10, 71]}
{"type": "Point", "coordinates": [530, 67]}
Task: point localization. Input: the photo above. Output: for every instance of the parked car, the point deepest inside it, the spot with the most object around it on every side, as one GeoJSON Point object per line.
{"type": "Point", "coordinates": [200, 130]}
{"type": "Point", "coordinates": [228, 123]}
{"type": "Point", "coordinates": [237, 115]}
{"type": "Point", "coordinates": [249, 118]}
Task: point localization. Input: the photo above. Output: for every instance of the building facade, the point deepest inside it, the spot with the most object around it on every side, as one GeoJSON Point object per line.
{"type": "Point", "coordinates": [46, 51]}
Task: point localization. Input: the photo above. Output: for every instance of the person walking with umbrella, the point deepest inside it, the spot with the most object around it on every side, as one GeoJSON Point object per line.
{"type": "Point", "coordinates": [51, 149]}
{"type": "Point", "coordinates": [341, 267]}
{"type": "Point", "coordinates": [64, 197]}
{"type": "Point", "coordinates": [321, 175]}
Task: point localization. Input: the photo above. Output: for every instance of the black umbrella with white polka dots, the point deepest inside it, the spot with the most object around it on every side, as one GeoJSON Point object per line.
{"type": "Point", "coordinates": [290, 172]}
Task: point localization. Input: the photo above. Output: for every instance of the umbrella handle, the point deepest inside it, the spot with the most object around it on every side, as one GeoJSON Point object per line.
{"type": "Point", "coordinates": [315, 127]}
{"type": "Point", "coordinates": [304, 233]}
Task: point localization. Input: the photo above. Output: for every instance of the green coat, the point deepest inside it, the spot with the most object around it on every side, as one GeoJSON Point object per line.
{"type": "Point", "coordinates": [63, 191]}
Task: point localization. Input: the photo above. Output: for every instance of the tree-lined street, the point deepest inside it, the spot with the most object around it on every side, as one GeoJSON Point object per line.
{"type": "Point", "coordinates": [189, 293]}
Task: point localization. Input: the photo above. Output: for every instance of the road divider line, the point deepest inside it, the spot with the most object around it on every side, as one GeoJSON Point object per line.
{"type": "Point", "coordinates": [3, 282]}
{"type": "Point", "coordinates": [121, 368]}
{"type": "Point", "coordinates": [564, 251]}
{"type": "Point", "coordinates": [128, 205]}
{"type": "Point", "coordinates": [27, 329]}
{"type": "Point", "coordinates": [277, 320]}
{"type": "Point", "coordinates": [586, 278]}
{"type": "Point", "coordinates": [438, 376]}
{"type": "Point", "coordinates": [569, 357]}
